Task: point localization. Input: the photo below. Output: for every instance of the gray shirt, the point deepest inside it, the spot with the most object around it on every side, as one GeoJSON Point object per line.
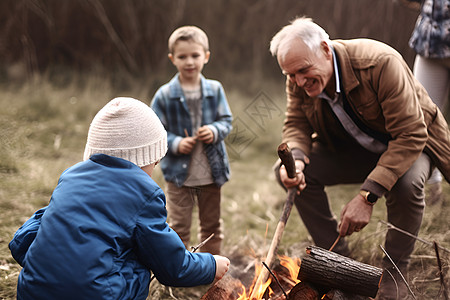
{"type": "Point", "coordinates": [199, 170]}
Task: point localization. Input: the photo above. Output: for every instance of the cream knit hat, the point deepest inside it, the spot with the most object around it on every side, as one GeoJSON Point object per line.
{"type": "Point", "coordinates": [129, 129]}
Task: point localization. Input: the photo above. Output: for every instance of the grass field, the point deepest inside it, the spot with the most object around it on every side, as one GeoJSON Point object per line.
{"type": "Point", "coordinates": [43, 129]}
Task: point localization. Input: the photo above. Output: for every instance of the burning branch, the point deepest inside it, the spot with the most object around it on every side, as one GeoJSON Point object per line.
{"type": "Point", "coordinates": [288, 160]}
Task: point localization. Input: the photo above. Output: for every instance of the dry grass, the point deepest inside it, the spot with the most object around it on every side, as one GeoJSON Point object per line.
{"type": "Point", "coordinates": [43, 130]}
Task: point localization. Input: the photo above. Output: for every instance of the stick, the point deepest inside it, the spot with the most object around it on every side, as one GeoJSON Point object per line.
{"type": "Point", "coordinates": [202, 243]}
{"type": "Point", "coordinates": [276, 279]}
{"type": "Point", "coordinates": [186, 132]}
{"type": "Point", "coordinates": [398, 270]}
{"type": "Point", "coordinates": [335, 243]}
{"type": "Point", "coordinates": [288, 161]}
{"type": "Point", "coordinates": [389, 225]}
{"type": "Point", "coordinates": [441, 275]}
{"type": "Point", "coordinates": [284, 153]}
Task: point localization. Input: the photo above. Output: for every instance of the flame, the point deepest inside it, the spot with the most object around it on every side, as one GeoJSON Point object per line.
{"type": "Point", "coordinates": [291, 264]}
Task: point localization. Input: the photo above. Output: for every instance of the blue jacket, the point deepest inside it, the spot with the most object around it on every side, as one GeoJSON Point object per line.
{"type": "Point", "coordinates": [170, 106]}
{"type": "Point", "coordinates": [101, 234]}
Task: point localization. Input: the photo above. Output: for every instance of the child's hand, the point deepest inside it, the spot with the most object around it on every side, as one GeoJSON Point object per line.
{"type": "Point", "coordinates": [186, 145]}
{"type": "Point", "coordinates": [222, 265]}
{"type": "Point", "coordinates": [205, 134]}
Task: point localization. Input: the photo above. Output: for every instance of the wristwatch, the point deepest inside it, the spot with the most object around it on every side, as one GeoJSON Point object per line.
{"type": "Point", "coordinates": [370, 198]}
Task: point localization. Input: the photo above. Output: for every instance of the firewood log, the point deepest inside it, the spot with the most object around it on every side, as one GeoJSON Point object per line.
{"type": "Point", "coordinates": [303, 291]}
{"type": "Point", "coordinates": [307, 291]}
{"type": "Point", "coordinates": [226, 288]}
{"type": "Point", "coordinates": [326, 268]}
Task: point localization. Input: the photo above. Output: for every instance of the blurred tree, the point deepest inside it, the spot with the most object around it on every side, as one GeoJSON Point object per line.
{"type": "Point", "coordinates": [130, 37]}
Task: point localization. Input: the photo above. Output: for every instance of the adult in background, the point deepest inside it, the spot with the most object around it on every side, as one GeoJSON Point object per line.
{"type": "Point", "coordinates": [431, 41]}
{"type": "Point", "coordinates": [356, 114]}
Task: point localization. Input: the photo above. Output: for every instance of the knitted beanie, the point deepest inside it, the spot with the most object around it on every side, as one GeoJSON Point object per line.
{"type": "Point", "coordinates": [129, 129]}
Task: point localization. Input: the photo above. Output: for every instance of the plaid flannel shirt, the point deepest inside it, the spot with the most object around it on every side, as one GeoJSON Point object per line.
{"type": "Point", "coordinates": [170, 106]}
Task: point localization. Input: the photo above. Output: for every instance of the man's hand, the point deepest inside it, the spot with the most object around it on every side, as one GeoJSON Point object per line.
{"type": "Point", "coordinates": [298, 181]}
{"type": "Point", "coordinates": [355, 216]}
{"type": "Point", "coordinates": [186, 145]}
{"type": "Point", "coordinates": [205, 134]}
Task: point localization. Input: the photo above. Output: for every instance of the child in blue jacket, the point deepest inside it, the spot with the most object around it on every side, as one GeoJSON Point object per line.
{"type": "Point", "coordinates": [104, 230]}
{"type": "Point", "coordinates": [196, 115]}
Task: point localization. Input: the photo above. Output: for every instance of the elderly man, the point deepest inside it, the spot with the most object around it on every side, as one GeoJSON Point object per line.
{"type": "Point", "coordinates": [356, 114]}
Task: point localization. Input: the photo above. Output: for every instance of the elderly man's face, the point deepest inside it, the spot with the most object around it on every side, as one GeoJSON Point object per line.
{"type": "Point", "coordinates": [310, 71]}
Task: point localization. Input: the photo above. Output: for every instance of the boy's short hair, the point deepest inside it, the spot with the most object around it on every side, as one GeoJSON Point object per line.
{"type": "Point", "coordinates": [188, 33]}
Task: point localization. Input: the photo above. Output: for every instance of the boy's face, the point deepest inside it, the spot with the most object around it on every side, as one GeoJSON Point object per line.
{"type": "Point", "coordinates": [189, 58]}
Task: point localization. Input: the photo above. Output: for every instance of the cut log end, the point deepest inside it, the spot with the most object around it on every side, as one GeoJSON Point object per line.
{"type": "Point", "coordinates": [303, 291]}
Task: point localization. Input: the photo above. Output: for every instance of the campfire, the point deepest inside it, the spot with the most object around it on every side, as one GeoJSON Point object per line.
{"type": "Point", "coordinates": [239, 284]}
{"type": "Point", "coordinates": [284, 278]}
{"type": "Point", "coordinates": [322, 274]}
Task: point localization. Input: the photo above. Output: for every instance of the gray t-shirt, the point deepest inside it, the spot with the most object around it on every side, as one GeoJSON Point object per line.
{"type": "Point", "coordinates": [199, 169]}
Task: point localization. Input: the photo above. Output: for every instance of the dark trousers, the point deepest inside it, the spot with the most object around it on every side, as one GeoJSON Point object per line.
{"type": "Point", "coordinates": [405, 202]}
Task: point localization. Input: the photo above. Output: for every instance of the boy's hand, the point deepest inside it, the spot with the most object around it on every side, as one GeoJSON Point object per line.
{"type": "Point", "coordinates": [222, 265]}
{"type": "Point", "coordinates": [205, 134]}
{"type": "Point", "coordinates": [186, 145]}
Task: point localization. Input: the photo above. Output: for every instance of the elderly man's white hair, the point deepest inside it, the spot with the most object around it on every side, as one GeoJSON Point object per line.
{"type": "Point", "coordinates": [301, 28]}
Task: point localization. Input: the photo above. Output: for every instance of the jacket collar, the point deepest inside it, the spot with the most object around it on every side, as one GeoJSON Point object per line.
{"type": "Point", "coordinates": [111, 161]}
{"type": "Point", "coordinates": [347, 74]}
{"type": "Point", "coordinates": [337, 77]}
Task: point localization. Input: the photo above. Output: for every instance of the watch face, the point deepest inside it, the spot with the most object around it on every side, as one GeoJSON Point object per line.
{"type": "Point", "coordinates": [371, 198]}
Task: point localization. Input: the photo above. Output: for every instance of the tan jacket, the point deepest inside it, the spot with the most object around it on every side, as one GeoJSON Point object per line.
{"type": "Point", "coordinates": [385, 95]}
